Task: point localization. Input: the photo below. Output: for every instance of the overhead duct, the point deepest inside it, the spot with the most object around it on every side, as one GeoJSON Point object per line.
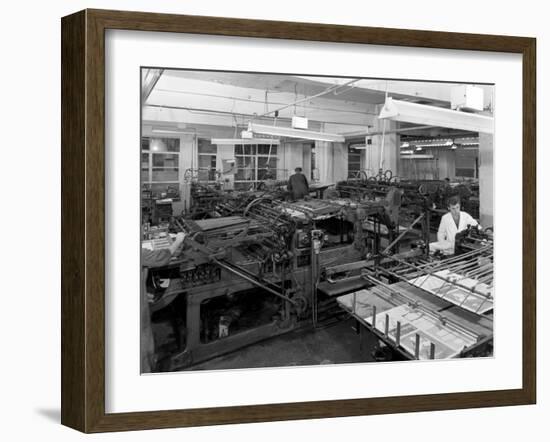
{"type": "Point", "coordinates": [435, 116]}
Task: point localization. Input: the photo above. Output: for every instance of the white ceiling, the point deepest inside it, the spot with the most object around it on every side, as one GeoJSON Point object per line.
{"type": "Point", "coordinates": [230, 100]}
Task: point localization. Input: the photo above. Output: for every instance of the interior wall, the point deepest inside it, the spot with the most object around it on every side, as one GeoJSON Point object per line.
{"type": "Point", "coordinates": [446, 164]}
{"type": "Point", "coordinates": [332, 161]}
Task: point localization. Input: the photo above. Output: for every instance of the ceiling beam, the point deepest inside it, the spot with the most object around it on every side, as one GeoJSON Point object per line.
{"type": "Point", "coordinates": [435, 116]}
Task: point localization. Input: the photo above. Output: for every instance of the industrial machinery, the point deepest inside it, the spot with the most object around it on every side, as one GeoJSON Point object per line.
{"type": "Point", "coordinates": [418, 307]}
{"type": "Point", "coordinates": [261, 266]}
{"type": "Point", "coordinates": [251, 276]}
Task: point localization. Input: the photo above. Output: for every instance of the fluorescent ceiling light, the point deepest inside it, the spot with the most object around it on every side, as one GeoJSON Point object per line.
{"type": "Point", "coordinates": [359, 146]}
{"type": "Point", "coordinates": [398, 110]}
{"type": "Point", "coordinates": [417, 157]}
{"type": "Point", "coordinates": [434, 143]}
{"type": "Point", "coordinates": [245, 141]}
{"type": "Point", "coordinates": [172, 131]}
{"type": "Point", "coordinates": [294, 133]}
{"type": "Point", "coordinates": [467, 140]}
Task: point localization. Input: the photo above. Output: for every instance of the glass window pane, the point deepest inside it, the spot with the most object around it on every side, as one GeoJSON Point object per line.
{"type": "Point", "coordinates": [144, 175]}
{"type": "Point", "coordinates": [145, 143]}
{"type": "Point", "coordinates": [165, 144]}
{"type": "Point", "coordinates": [206, 174]}
{"type": "Point", "coordinates": [205, 146]}
{"type": "Point", "coordinates": [267, 174]}
{"type": "Point", "coordinates": [172, 144]}
{"type": "Point", "coordinates": [263, 163]}
{"type": "Point", "coordinates": [263, 149]}
{"type": "Point", "coordinates": [145, 160]}
{"type": "Point", "coordinates": [206, 160]}
{"type": "Point", "coordinates": [245, 174]}
{"type": "Point", "coordinates": [165, 160]}
{"type": "Point", "coordinates": [165, 174]}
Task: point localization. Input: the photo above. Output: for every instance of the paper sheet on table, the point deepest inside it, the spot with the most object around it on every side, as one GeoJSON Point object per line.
{"type": "Point", "coordinates": [448, 342]}
{"type": "Point", "coordinates": [463, 297]}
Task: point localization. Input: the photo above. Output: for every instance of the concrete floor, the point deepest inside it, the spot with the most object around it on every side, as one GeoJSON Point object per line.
{"type": "Point", "coordinates": [336, 344]}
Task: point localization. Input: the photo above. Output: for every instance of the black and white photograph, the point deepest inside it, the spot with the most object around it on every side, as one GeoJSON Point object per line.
{"type": "Point", "coordinates": [299, 220]}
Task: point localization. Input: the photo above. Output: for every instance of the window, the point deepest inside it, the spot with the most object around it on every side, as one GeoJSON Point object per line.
{"type": "Point", "coordinates": [159, 161]}
{"type": "Point", "coordinates": [207, 160]}
{"type": "Point", "coordinates": [354, 162]}
{"type": "Point", "coordinates": [255, 163]}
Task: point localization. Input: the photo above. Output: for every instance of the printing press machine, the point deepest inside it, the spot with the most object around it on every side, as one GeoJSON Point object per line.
{"type": "Point", "coordinates": [244, 278]}
{"type": "Point", "coordinates": [273, 266]}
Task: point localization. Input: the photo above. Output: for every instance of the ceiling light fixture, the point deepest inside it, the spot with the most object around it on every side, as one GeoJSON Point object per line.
{"type": "Point", "coordinates": [246, 141]}
{"type": "Point", "coordinates": [417, 157]}
{"type": "Point", "coordinates": [172, 131]}
{"type": "Point", "coordinates": [398, 110]}
{"type": "Point", "coordinates": [436, 142]}
{"type": "Point", "coordinates": [294, 133]}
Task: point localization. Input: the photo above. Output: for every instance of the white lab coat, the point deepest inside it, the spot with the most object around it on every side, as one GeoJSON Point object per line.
{"type": "Point", "coordinates": [448, 230]}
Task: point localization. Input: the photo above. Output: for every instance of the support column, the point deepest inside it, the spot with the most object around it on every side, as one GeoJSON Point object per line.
{"type": "Point", "coordinates": [446, 164]}
{"type": "Point", "coordinates": [325, 162]}
{"type": "Point", "coordinates": [187, 160]}
{"type": "Point", "coordinates": [390, 152]}
{"type": "Point", "coordinates": [290, 156]}
{"type": "Point", "coordinates": [486, 188]}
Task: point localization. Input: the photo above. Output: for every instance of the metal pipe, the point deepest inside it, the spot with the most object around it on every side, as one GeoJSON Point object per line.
{"type": "Point", "coordinates": [246, 100]}
{"type": "Point", "coordinates": [240, 114]}
{"type": "Point", "coordinates": [320, 94]}
{"type": "Point", "coordinates": [465, 288]}
{"type": "Point", "coordinates": [253, 281]}
{"type": "Point", "coordinates": [407, 230]}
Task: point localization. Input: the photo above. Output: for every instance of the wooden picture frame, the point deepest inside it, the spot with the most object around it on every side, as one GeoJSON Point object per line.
{"type": "Point", "coordinates": [83, 219]}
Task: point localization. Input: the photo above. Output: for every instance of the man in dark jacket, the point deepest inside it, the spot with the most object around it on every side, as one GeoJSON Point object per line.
{"type": "Point", "coordinates": [298, 185]}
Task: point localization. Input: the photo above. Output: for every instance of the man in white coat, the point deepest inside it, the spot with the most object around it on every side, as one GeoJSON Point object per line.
{"type": "Point", "coordinates": [453, 222]}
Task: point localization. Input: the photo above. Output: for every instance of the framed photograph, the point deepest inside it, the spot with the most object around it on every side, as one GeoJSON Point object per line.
{"type": "Point", "coordinates": [267, 221]}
